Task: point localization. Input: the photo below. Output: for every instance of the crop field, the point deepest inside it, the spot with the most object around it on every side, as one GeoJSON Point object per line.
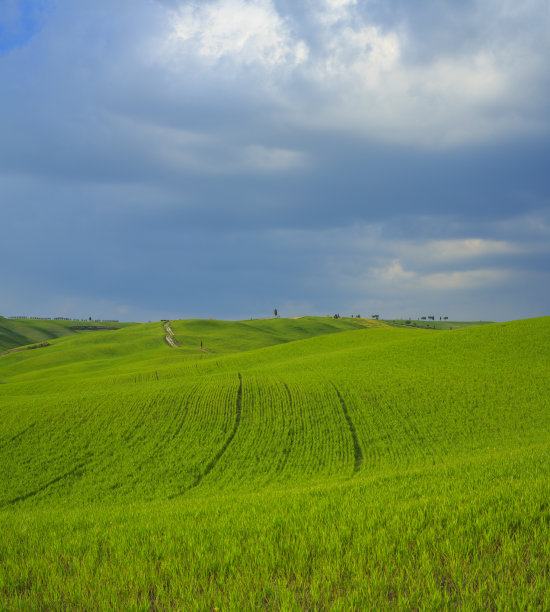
{"type": "Point", "coordinates": [280, 464]}
{"type": "Point", "coordinates": [437, 324]}
{"type": "Point", "coordinates": [21, 332]}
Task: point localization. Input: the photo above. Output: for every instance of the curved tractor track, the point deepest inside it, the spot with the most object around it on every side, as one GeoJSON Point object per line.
{"type": "Point", "coordinates": [213, 462]}
{"type": "Point", "coordinates": [357, 451]}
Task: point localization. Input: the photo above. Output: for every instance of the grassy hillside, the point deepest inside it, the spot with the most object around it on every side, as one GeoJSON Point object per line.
{"type": "Point", "coordinates": [441, 325]}
{"type": "Point", "coordinates": [21, 332]}
{"type": "Point", "coordinates": [306, 463]}
{"type": "Point", "coordinates": [234, 336]}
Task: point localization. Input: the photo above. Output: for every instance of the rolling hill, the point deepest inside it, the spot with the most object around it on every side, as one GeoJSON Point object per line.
{"type": "Point", "coordinates": [290, 464]}
{"type": "Point", "coordinates": [20, 332]}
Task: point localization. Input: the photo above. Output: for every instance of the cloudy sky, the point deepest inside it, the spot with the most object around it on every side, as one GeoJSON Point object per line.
{"type": "Point", "coordinates": [174, 159]}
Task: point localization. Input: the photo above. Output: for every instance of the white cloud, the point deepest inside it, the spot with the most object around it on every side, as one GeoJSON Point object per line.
{"type": "Point", "coordinates": [393, 275]}
{"type": "Point", "coordinates": [393, 279]}
{"type": "Point", "coordinates": [456, 250]}
{"type": "Point", "coordinates": [463, 279]}
{"type": "Point", "coordinates": [272, 159]}
{"type": "Point", "coordinates": [244, 31]}
{"type": "Point", "coordinates": [339, 4]}
{"type": "Point", "coordinates": [362, 261]}
{"type": "Point", "coordinates": [364, 54]}
{"type": "Point", "coordinates": [369, 239]}
{"type": "Point", "coordinates": [201, 152]}
{"type": "Point", "coordinates": [330, 12]}
{"type": "Point", "coordinates": [367, 86]}
{"type": "Point", "coordinates": [358, 76]}
{"type": "Point", "coordinates": [534, 226]}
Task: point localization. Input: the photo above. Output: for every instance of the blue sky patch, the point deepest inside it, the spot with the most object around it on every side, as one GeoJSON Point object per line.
{"type": "Point", "coordinates": [20, 20]}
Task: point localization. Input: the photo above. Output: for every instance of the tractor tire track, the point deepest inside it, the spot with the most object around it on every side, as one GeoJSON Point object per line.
{"type": "Point", "coordinates": [357, 451]}
{"type": "Point", "coordinates": [212, 463]}
{"type": "Point", "coordinates": [17, 436]}
{"type": "Point", "coordinates": [78, 471]}
{"type": "Point", "coordinates": [25, 348]}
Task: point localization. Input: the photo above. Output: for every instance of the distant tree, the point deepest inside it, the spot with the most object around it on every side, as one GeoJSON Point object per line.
{"type": "Point", "coordinates": [90, 319]}
{"type": "Point", "coordinates": [274, 312]}
{"type": "Point", "coordinates": [423, 318]}
{"type": "Point", "coordinates": [376, 317]}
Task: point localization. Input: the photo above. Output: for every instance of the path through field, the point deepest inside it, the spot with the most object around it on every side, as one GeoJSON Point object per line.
{"type": "Point", "coordinates": [170, 337]}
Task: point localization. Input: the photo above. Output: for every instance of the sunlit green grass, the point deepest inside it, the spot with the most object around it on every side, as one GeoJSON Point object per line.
{"type": "Point", "coordinates": [437, 324]}
{"type": "Point", "coordinates": [224, 337]}
{"type": "Point", "coordinates": [305, 463]}
{"type": "Point", "coordinates": [21, 332]}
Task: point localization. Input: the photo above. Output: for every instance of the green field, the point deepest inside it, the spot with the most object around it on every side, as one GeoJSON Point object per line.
{"type": "Point", "coordinates": [303, 463]}
{"type": "Point", "coordinates": [20, 332]}
{"type": "Point", "coordinates": [436, 324]}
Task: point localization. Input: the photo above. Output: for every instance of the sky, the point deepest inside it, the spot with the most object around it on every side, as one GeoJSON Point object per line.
{"type": "Point", "coordinates": [222, 158]}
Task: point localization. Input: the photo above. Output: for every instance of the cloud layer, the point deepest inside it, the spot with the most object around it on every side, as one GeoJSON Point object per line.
{"type": "Point", "coordinates": [221, 158]}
